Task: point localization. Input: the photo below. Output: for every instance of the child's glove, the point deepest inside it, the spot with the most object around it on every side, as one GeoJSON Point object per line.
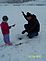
{"type": "Point", "coordinates": [13, 25]}
{"type": "Point", "coordinates": [9, 27]}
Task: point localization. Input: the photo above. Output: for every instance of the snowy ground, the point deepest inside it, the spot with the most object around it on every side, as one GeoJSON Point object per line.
{"type": "Point", "coordinates": [32, 49]}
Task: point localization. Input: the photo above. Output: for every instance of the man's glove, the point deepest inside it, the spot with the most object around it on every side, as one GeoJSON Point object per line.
{"type": "Point", "coordinates": [22, 12]}
{"type": "Point", "coordinates": [23, 32]}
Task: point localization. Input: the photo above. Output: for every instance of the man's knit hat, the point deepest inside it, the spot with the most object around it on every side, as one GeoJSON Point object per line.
{"type": "Point", "coordinates": [29, 14]}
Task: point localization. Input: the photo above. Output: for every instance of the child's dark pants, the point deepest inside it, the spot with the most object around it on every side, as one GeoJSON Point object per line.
{"type": "Point", "coordinates": [6, 38]}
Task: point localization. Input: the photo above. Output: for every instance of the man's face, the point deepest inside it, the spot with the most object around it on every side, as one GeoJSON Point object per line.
{"type": "Point", "coordinates": [29, 18]}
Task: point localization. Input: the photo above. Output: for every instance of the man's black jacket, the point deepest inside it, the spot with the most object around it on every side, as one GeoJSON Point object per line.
{"type": "Point", "coordinates": [33, 24]}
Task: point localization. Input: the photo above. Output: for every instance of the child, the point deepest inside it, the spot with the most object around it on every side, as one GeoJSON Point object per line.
{"type": "Point", "coordinates": [33, 26]}
{"type": "Point", "coordinates": [5, 30]}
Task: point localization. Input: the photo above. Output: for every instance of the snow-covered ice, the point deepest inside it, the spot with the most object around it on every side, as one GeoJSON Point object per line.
{"type": "Point", "coordinates": [31, 49]}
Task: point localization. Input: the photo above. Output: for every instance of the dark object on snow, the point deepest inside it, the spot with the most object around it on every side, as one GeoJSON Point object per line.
{"type": "Point", "coordinates": [33, 26]}
{"type": "Point", "coordinates": [18, 44]}
{"type": "Point", "coordinates": [20, 38]}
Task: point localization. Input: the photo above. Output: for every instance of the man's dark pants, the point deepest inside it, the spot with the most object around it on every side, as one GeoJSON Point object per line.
{"type": "Point", "coordinates": [30, 34]}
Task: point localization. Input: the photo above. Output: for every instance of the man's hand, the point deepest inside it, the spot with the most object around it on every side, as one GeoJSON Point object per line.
{"type": "Point", "coordinates": [22, 12]}
{"type": "Point", "coordinates": [23, 32]}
